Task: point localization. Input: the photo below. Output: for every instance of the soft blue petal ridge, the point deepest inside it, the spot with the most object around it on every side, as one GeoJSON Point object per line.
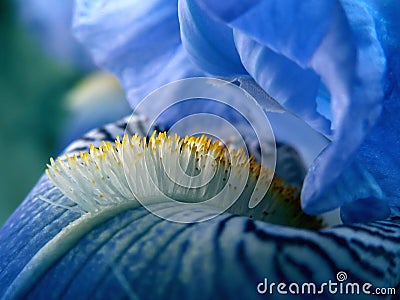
{"type": "Point", "coordinates": [337, 43]}
{"type": "Point", "coordinates": [138, 41]}
{"type": "Point", "coordinates": [208, 42]}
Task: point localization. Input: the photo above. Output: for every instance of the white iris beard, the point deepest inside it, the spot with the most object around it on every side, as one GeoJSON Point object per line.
{"type": "Point", "coordinates": [170, 168]}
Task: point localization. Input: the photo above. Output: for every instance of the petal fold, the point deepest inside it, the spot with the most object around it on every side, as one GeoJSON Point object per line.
{"type": "Point", "coordinates": [137, 41]}
{"type": "Point", "coordinates": [283, 26]}
{"type": "Point", "coordinates": [287, 45]}
{"type": "Point", "coordinates": [293, 87]}
{"type": "Point", "coordinates": [378, 153]}
{"type": "Point", "coordinates": [209, 42]}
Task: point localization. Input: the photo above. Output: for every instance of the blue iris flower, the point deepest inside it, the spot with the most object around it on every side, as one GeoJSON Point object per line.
{"type": "Point", "coordinates": [331, 63]}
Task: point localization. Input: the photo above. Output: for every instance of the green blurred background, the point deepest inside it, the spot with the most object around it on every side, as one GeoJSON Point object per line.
{"type": "Point", "coordinates": [32, 109]}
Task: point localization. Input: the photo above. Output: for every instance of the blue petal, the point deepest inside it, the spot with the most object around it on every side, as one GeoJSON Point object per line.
{"type": "Point", "coordinates": [294, 87]}
{"type": "Point", "coordinates": [293, 28]}
{"type": "Point", "coordinates": [224, 257]}
{"type": "Point", "coordinates": [378, 158]}
{"type": "Point", "coordinates": [379, 152]}
{"type": "Point", "coordinates": [292, 130]}
{"type": "Point", "coordinates": [138, 41]}
{"type": "Point", "coordinates": [227, 11]}
{"type": "Point", "coordinates": [364, 210]}
{"type": "Point", "coordinates": [209, 43]}
{"type": "Point", "coordinates": [337, 42]}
